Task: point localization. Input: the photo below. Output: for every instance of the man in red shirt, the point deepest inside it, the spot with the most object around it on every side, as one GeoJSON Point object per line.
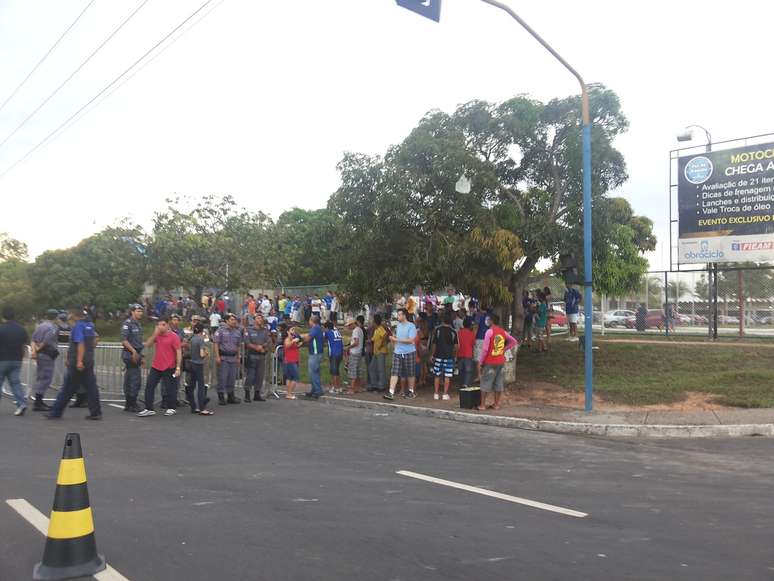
{"type": "Point", "coordinates": [496, 342]}
{"type": "Point", "coordinates": [165, 368]}
{"type": "Point", "coordinates": [466, 338]}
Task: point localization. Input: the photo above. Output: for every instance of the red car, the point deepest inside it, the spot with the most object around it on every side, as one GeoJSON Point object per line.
{"type": "Point", "coordinates": [557, 318]}
{"type": "Point", "coordinates": [654, 319]}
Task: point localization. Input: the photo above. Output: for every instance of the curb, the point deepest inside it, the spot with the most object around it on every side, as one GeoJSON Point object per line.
{"type": "Point", "coordinates": [559, 427]}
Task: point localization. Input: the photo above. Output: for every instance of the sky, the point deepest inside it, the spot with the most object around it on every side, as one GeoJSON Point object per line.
{"type": "Point", "coordinates": [259, 99]}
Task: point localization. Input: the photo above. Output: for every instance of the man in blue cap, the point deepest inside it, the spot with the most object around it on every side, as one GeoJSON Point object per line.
{"type": "Point", "coordinates": [44, 352]}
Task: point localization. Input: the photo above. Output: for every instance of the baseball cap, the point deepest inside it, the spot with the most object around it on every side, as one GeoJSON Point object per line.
{"type": "Point", "coordinates": [136, 307]}
{"type": "Point", "coordinates": [52, 313]}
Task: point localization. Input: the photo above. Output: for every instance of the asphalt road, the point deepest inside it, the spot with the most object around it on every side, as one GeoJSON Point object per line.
{"type": "Point", "coordinates": [301, 490]}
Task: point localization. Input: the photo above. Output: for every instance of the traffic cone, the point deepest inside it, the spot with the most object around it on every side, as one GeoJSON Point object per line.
{"type": "Point", "coordinates": [71, 550]}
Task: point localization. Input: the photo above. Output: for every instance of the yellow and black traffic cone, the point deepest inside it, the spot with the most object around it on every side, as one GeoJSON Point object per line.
{"type": "Point", "coordinates": [71, 549]}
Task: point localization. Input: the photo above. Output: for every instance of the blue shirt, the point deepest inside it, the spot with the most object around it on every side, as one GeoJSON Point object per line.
{"type": "Point", "coordinates": [571, 300]}
{"type": "Point", "coordinates": [328, 300]}
{"type": "Point", "coordinates": [316, 343]}
{"type": "Point", "coordinates": [405, 331]}
{"type": "Point", "coordinates": [335, 343]}
{"type": "Point", "coordinates": [83, 332]}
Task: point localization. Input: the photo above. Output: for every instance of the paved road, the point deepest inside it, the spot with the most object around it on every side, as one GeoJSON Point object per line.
{"type": "Point", "coordinates": [300, 490]}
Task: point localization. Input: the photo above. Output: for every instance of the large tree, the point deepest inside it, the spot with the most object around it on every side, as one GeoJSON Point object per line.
{"type": "Point", "coordinates": [12, 249]}
{"type": "Point", "coordinates": [523, 158]}
{"type": "Point", "coordinates": [106, 270]}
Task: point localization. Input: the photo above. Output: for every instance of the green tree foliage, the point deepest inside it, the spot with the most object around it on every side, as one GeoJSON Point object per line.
{"type": "Point", "coordinates": [12, 249]}
{"type": "Point", "coordinates": [106, 270]}
{"type": "Point", "coordinates": [16, 287]}
{"type": "Point", "coordinates": [210, 242]}
{"type": "Point", "coordinates": [308, 247]}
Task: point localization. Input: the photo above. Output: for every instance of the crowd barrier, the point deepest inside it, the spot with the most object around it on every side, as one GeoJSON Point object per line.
{"type": "Point", "coordinates": [109, 370]}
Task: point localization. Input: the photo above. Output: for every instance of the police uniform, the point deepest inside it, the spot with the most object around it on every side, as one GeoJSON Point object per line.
{"type": "Point", "coordinates": [229, 342]}
{"type": "Point", "coordinates": [256, 362]}
{"type": "Point", "coordinates": [131, 332]}
{"type": "Point", "coordinates": [45, 335]}
{"type": "Point", "coordinates": [80, 379]}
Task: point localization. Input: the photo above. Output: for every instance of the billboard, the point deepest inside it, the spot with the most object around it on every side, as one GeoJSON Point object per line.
{"type": "Point", "coordinates": [726, 205]}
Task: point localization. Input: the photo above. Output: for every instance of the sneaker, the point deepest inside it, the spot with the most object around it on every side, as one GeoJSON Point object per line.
{"type": "Point", "coordinates": [20, 411]}
{"type": "Point", "coordinates": [170, 412]}
{"type": "Point", "coordinates": [146, 413]}
{"type": "Point", "coordinates": [410, 395]}
{"type": "Point", "coordinates": [436, 396]}
{"type": "Point", "coordinates": [388, 396]}
{"type": "Point", "coordinates": [92, 417]}
{"type": "Point", "coordinates": [446, 397]}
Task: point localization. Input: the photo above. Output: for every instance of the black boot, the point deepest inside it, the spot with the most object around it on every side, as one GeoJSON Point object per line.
{"type": "Point", "coordinates": [221, 398]}
{"type": "Point", "coordinates": [40, 405]}
{"type": "Point", "coordinates": [80, 401]}
{"type": "Point", "coordinates": [131, 405]}
{"type": "Point", "coordinates": [258, 396]}
{"type": "Point", "coordinates": [233, 399]}
{"type": "Point", "coordinates": [247, 396]}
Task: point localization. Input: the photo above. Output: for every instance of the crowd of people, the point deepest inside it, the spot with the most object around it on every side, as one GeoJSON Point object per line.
{"type": "Point", "coordinates": [406, 343]}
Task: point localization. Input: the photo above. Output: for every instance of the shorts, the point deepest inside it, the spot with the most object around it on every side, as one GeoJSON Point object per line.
{"type": "Point", "coordinates": [335, 365]}
{"type": "Point", "coordinates": [443, 367]}
{"type": "Point", "coordinates": [539, 332]}
{"type": "Point", "coordinates": [492, 378]}
{"type": "Point", "coordinates": [478, 346]}
{"type": "Point", "coordinates": [404, 366]}
{"type": "Point", "coordinates": [354, 370]}
{"type": "Point", "coordinates": [572, 318]}
{"type": "Point", "coordinates": [290, 371]}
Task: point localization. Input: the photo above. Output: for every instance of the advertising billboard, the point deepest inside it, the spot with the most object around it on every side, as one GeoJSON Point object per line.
{"type": "Point", "coordinates": [726, 205]}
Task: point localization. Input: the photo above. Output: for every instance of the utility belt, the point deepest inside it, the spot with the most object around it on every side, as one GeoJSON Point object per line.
{"type": "Point", "coordinates": [52, 352]}
{"type": "Point", "coordinates": [228, 353]}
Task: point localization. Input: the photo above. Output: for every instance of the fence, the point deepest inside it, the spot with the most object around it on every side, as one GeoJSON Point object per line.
{"type": "Point", "coordinates": [729, 301]}
{"type": "Point", "coordinates": [109, 370]}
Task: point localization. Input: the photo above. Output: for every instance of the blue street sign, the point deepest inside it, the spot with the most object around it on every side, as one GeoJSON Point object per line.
{"type": "Point", "coordinates": [428, 8]}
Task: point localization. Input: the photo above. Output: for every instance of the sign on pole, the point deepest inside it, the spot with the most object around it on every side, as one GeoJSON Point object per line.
{"type": "Point", "coordinates": [726, 205]}
{"type": "Point", "coordinates": [428, 8]}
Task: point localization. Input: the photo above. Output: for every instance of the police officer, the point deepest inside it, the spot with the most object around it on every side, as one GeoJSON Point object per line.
{"type": "Point", "coordinates": [45, 352]}
{"type": "Point", "coordinates": [258, 344]}
{"type": "Point", "coordinates": [227, 342]}
{"type": "Point", "coordinates": [131, 339]}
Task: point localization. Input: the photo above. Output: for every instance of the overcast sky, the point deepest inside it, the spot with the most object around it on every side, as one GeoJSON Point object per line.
{"type": "Point", "coordinates": [261, 98]}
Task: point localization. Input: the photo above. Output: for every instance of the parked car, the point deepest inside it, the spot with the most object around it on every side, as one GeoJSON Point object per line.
{"type": "Point", "coordinates": [617, 318]}
{"type": "Point", "coordinates": [654, 319]}
{"type": "Point", "coordinates": [728, 320]}
{"type": "Point", "coordinates": [557, 317]}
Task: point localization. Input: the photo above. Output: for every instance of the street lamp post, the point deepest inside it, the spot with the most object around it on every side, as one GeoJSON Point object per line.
{"type": "Point", "coordinates": [587, 278]}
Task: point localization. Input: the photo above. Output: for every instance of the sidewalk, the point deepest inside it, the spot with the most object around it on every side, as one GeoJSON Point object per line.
{"type": "Point", "coordinates": [719, 422]}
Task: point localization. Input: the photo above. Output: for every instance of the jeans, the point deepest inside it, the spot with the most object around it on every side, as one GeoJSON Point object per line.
{"type": "Point", "coordinates": [466, 370]}
{"type": "Point", "coordinates": [378, 371]}
{"type": "Point", "coordinates": [314, 373]}
{"type": "Point", "coordinates": [370, 379]}
{"type": "Point", "coordinates": [196, 386]}
{"type": "Point", "coordinates": [168, 391]}
{"type": "Point", "coordinates": [75, 380]}
{"type": "Point", "coordinates": [11, 370]}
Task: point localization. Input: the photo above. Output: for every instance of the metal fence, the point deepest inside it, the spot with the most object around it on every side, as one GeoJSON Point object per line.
{"type": "Point", "coordinates": [109, 370]}
{"type": "Point", "coordinates": [729, 301]}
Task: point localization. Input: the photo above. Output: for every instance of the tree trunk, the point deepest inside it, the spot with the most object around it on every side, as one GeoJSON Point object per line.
{"type": "Point", "coordinates": [518, 283]}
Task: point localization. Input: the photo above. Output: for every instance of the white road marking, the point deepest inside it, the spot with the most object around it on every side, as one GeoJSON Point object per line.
{"type": "Point", "coordinates": [498, 495]}
{"type": "Point", "coordinates": [115, 405]}
{"type": "Point", "coordinates": [40, 521]}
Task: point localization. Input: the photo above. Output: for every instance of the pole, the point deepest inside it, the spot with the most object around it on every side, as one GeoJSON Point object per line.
{"type": "Point", "coordinates": [587, 277]}
{"type": "Point", "coordinates": [666, 302]}
{"type": "Point", "coordinates": [715, 303]}
{"type": "Point", "coordinates": [740, 275]}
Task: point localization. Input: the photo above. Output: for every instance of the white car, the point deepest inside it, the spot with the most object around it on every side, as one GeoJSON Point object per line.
{"type": "Point", "coordinates": [618, 318]}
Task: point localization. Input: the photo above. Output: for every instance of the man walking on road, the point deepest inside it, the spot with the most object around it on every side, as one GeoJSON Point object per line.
{"type": "Point", "coordinates": [80, 368]}
{"type": "Point", "coordinates": [131, 339]}
{"type": "Point", "coordinates": [227, 342]}
{"type": "Point", "coordinates": [316, 347]}
{"type": "Point", "coordinates": [496, 342]}
{"type": "Point", "coordinates": [403, 356]}
{"type": "Point", "coordinates": [167, 359]}
{"type": "Point", "coordinates": [44, 352]}
{"type": "Point", "coordinates": [13, 343]}
{"type": "Point", "coordinates": [258, 344]}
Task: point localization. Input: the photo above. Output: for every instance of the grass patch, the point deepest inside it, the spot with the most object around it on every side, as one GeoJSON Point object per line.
{"type": "Point", "coordinates": [636, 374]}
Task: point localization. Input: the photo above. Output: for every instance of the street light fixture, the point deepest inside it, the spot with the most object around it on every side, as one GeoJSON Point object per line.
{"type": "Point", "coordinates": [687, 135]}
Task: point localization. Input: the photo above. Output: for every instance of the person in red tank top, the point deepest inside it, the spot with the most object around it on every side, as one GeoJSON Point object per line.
{"type": "Point", "coordinates": [496, 342]}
